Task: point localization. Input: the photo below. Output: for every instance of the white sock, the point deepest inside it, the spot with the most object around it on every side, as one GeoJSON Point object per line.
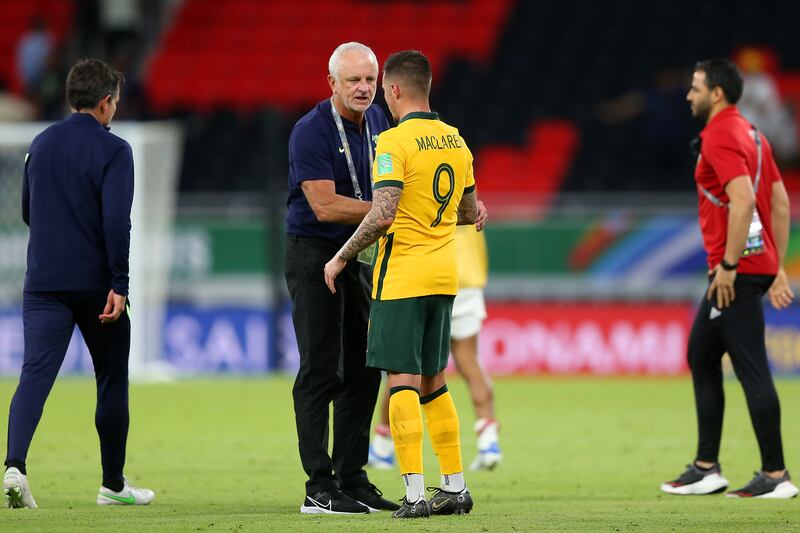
{"type": "Point", "coordinates": [453, 482]}
{"type": "Point", "coordinates": [487, 430]}
{"type": "Point", "coordinates": [415, 487]}
{"type": "Point", "coordinates": [382, 445]}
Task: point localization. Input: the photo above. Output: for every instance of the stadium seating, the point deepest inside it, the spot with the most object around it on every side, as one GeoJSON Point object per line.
{"type": "Point", "coordinates": [503, 70]}
{"type": "Point", "coordinates": [243, 54]}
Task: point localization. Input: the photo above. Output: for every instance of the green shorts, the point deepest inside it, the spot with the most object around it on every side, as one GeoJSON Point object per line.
{"type": "Point", "coordinates": [410, 335]}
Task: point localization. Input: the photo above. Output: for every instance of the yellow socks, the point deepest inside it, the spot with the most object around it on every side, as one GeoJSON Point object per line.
{"type": "Point", "coordinates": [442, 421]}
{"type": "Point", "coordinates": [405, 421]}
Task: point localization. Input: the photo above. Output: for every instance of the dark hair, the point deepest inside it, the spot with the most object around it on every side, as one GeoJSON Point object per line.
{"type": "Point", "coordinates": [91, 80]}
{"type": "Point", "coordinates": [413, 67]}
{"type": "Point", "coordinates": [722, 73]}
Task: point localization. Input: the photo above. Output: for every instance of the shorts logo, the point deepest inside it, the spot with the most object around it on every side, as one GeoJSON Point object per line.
{"type": "Point", "coordinates": [384, 164]}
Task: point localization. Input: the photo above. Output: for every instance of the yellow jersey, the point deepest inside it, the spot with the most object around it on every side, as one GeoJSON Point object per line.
{"type": "Point", "coordinates": [430, 161]}
{"type": "Point", "coordinates": [471, 257]}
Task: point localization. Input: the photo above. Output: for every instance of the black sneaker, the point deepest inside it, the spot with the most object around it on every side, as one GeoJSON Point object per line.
{"type": "Point", "coordinates": [763, 486]}
{"type": "Point", "coordinates": [372, 497]}
{"type": "Point", "coordinates": [332, 501]}
{"type": "Point", "coordinates": [444, 502]}
{"type": "Point", "coordinates": [418, 509]}
{"type": "Point", "coordinates": [696, 481]}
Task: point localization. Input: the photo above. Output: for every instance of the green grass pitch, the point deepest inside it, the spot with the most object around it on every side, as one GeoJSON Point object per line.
{"type": "Point", "coordinates": [582, 454]}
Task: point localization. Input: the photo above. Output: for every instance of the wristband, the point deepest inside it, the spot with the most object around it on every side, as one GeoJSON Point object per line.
{"type": "Point", "coordinates": [728, 266]}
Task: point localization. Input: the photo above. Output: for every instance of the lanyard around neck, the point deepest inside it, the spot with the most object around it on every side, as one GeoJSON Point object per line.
{"type": "Point", "coordinates": [719, 203]}
{"type": "Point", "coordinates": [346, 147]}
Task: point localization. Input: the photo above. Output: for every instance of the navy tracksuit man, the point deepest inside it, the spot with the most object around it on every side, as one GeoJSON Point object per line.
{"type": "Point", "coordinates": [77, 196]}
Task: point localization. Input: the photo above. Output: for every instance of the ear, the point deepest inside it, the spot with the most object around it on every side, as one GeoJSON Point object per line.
{"type": "Point", "coordinates": [717, 94]}
{"type": "Point", "coordinates": [332, 83]}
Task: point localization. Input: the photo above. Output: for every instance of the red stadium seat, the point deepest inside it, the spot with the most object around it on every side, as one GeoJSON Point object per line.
{"type": "Point", "coordinates": [290, 39]}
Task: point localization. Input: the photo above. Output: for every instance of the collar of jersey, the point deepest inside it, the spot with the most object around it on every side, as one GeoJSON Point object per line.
{"type": "Point", "coordinates": [420, 114]}
{"type": "Point", "coordinates": [730, 111]}
{"type": "Point", "coordinates": [84, 117]}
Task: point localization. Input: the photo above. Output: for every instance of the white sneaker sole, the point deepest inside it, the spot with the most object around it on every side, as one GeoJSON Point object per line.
{"type": "Point", "coordinates": [106, 500]}
{"type": "Point", "coordinates": [711, 484]}
{"type": "Point", "coordinates": [783, 491]}
{"type": "Point", "coordinates": [305, 509]}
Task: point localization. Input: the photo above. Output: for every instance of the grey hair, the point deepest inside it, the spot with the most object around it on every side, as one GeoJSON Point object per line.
{"type": "Point", "coordinates": [333, 62]}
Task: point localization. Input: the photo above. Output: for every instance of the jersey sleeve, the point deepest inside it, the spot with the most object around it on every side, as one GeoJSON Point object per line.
{"type": "Point", "coordinates": [308, 154]}
{"type": "Point", "coordinates": [390, 163]}
{"type": "Point", "coordinates": [726, 157]}
{"type": "Point", "coordinates": [117, 197]}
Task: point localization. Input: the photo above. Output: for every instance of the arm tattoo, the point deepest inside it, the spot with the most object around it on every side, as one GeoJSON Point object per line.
{"type": "Point", "coordinates": [467, 209]}
{"type": "Point", "coordinates": [384, 208]}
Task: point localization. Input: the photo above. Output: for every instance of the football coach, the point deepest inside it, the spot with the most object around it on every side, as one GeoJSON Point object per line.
{"type": "Point", "coordinates": [331, 150]}
{"type": "Point", "coordinates": [76, 198]}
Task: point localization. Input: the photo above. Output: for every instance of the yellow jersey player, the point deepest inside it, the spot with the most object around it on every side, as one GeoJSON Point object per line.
{"type": "Point", "coordinates": [469, 311]}
{"type": "Point", "coordinates": [424, 186]}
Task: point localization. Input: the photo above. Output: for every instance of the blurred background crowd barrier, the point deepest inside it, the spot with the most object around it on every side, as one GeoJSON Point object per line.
{"type": "Point", "coordinates": [575, 111]}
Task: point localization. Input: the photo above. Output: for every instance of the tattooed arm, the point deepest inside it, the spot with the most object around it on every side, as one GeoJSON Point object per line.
{"type": "Point", "coordinates": [379, 218]}
{"type": "Point", "coordinates": [468, 209]}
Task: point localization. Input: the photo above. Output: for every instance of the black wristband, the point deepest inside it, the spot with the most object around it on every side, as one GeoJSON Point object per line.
{"type": "Point", "coordinates": [727, 266]}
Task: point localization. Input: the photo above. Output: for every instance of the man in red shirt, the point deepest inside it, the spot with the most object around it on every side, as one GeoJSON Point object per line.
{"type": "Point", "coordinates": [744, 218]}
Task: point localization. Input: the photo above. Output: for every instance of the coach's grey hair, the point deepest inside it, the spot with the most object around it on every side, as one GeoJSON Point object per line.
{"type": "Point", "coordinates": [333, 62]}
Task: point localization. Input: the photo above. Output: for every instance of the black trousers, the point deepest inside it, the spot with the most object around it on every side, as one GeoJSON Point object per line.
{"type": "Point", "coordinates": [49, 319]}
{"type": "Point", "coordinates": [739, 331]}
{"type": "Point", "coordinates": [331, 332]}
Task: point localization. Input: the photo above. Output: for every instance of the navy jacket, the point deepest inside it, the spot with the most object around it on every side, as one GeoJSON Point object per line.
{"type": "Point", "coordinates": [76, 197]}
{"type": "Point", "coordinates": [316, 153]}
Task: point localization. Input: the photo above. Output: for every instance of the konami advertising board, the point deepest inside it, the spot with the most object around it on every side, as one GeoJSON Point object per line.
{"type": "Point", "coordinates": [554, 338]}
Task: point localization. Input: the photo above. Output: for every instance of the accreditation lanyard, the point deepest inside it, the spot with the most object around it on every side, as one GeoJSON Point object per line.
{"type": "Point", "coordinates": [755, 240]}
{"type": "Point", "coordinates": [347, 154]}
{"type": "Point", "coordinates": [719, 203]}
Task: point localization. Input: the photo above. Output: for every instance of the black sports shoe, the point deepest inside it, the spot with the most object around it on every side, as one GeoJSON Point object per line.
{"type": "Point", "coordinates": [763, 486]}
{"type": "Point", "coordinates": [696, 481]}
{"type": "Point", "coordinates": [444, 502]}
{"type": "Point", "coordinates": [332, 501]}
{"type": "Point", "coordinates": [372, 497]}
{"type": "Point", "coordinates": [418, 509]}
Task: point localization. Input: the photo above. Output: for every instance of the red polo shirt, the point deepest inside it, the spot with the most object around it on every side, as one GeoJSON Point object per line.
{"type": "Point", "coordinates": [729, 151]}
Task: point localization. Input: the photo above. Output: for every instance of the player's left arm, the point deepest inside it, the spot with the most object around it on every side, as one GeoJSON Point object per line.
{"type": "Point", "coordinates": [117, 198]}
{"type": "Point", "coordinates": [780, 292]}
{"type": "Point", "coordinates": [465, 210]}
{"type": "Point", "coordinates": [468, 208]}
{"type": "Point", "coordinates": [379, 219]}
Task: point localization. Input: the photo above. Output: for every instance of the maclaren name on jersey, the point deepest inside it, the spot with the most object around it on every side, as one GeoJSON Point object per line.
{"type": "Point", "coordinates": [433, 142]}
